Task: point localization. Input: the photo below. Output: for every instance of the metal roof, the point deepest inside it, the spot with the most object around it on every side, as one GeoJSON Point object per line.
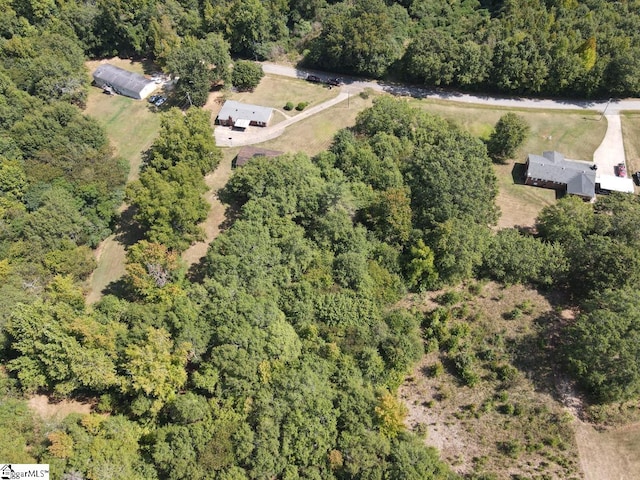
{"type": "Point", "coordinates": [247, 153]}
{"type": "Point", "coordinates": [236, 110]}
{"type": "Point", "coordinates": [615, 184]}
{"type": "Point", "coordinates": [121, 79]}
{"type": "Point", "coordinates": [553, 167]}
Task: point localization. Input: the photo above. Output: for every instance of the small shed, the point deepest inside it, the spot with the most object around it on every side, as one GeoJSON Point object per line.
{"type": "Point", "coordinates": [247, 153]}
{"type": "Point", "coordinates": [124, 82]}
{"type": "Point", "coordinates": [241, 115]}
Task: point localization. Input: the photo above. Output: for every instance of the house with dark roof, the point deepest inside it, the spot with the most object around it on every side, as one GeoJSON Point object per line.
{"type": "Point", "coordinates": [123, 82]}
{"type": "Point", "coordinates": [242, 115]}
{"type": "Point", "coordinates": [552, 170]}
{"type": "Point", "coordinates": [247, 153]}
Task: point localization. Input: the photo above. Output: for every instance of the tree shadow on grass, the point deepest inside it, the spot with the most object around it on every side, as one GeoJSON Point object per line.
{"type": "Point", "coordinates": [517, 173]}
{"type": "Point", "coordinates": [119, 288]}
{"type": "Point", "coordinates": [540, 354]}
{"type": "Point", "coordinates": [198, 271]}
{"type": "Point", "coordinates": [127, 231]}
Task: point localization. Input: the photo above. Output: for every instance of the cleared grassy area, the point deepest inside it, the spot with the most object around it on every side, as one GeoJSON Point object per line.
{"type": "Point", "coordinates": [575, 134]}
{"type": "Point", "coordinates": [315, 134]}
{"type": "Point", "coordinates": [609, 454]}
{"type": "Point", "coordinates": [212, 226]}
{"type": "Point", "coordinates": [275, 91]}
{"type": "Point", "coordinates": [508, 423]}
{"type": "Point", "coordinates": [631, 137]}
{"type": "Point", "coordinates": [519, 204]}
{"type": "Point", "coordinates": [132, 125]}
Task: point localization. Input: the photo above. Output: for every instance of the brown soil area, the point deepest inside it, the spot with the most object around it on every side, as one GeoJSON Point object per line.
{"type": "Point", "coordinates": [41, 405]}
{"type": "Point", "coordinates": [470, 425]}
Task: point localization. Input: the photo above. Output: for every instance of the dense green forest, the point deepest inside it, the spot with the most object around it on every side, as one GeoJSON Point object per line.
{"type": "Point", "coordinates": [281, 356]}
{"type": "Point", "coordinates": [581, 48]}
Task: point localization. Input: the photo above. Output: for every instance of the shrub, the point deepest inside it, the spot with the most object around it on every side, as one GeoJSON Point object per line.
{"type": "Point", "coordinates": [366, 93]}
{"type": "Point", "coordinates": [301, 106]}
{"type": "Point", "coordinates": [511, 448]}
{"type": "Point", "coordinates": [464, 364]}
{"type": "Point", "coordinates": [449, 298]}
{"type": "Point", "coordinates": [437, 370]}
{"type": "Point", "coordinates": [288, 106]}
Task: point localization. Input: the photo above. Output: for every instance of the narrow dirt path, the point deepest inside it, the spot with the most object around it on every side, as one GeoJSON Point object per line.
{"type": "Point", "coordinates": [110, 259]}
{"type": "Point", "coordinates": [211, 226]}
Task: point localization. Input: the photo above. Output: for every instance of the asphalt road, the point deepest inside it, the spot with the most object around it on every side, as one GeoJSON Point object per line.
{"type": "Point", "coordinates": [609, 154]}
{"type": "Point", "coordinates": [354, 85]}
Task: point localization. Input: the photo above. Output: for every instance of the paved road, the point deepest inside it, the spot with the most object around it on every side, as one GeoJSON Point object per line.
{"type": "Point", "coordinates": [609, 153]}
{"type": "Point", "coordinates": [353, 85]}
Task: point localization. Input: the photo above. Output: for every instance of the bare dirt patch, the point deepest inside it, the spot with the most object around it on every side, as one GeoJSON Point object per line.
{"type": "Point", "coordinates": [508, 421]}
{"type": "Point", "coordinates": [47, 410]}
{"type": "Point", "coordinates": [215, 100]}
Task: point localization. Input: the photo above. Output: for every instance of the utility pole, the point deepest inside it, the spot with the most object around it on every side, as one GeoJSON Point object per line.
{"type": "Point", "coordinates": [605, 109]}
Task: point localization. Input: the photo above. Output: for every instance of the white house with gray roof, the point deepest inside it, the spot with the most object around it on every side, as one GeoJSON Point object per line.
{"type": "Point", "coordinates": [552, 170]}
{"type": "Point", "coordinates": [241, 115]}
{"type": "Point", "coordinates": [124, 82]}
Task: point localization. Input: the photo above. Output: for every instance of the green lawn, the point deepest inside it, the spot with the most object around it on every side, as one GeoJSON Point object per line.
{"type": "Point", "coordinates": [132, 125]}
{"type": "Point", "coordinates": [576, 134]}
{"type": "Point", "coordinates": [275, 91]}
{"type": "Point", "coordinates": [314, 134]}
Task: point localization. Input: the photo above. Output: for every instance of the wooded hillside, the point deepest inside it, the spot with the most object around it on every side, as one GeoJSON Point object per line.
{"type": "Point", "coordinates": [282, 355]}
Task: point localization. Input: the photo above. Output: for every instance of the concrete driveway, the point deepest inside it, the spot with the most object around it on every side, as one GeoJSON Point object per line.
{"type": "Point", "coordinates": [228, 137]}
{"type": "Point", "coordinates": [611, 151]}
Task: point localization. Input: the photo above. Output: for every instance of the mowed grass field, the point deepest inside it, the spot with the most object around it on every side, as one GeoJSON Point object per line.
{"type": "Point", "coordinates": [132, 126]}
{"type": "Point", "coordinates": [631, 137]}
{"type": "Point", "coordinates": [576, 134]}
{"type": "Point", "coordinates": [275, 91]}
{"type": "Point", "coordinates": [315, 134]}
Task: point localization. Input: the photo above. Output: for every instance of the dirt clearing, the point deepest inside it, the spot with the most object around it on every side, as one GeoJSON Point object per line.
{"type": "Point", "coordinates": [41, 405]}
{"type": "Point", "coordinates": [484, 394]}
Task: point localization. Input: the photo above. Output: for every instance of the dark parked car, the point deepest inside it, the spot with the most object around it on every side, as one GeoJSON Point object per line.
{"type": "Point", "coordinates": [636, 178]}
{"type": "Point", "coordinates": [159, 101]}
{"type": "Point", "coordinates": [153, 98]}
{"type": "Point", "coordinates": [314, 79]}
{"type": "Point", "coordinates": [334, 82]}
